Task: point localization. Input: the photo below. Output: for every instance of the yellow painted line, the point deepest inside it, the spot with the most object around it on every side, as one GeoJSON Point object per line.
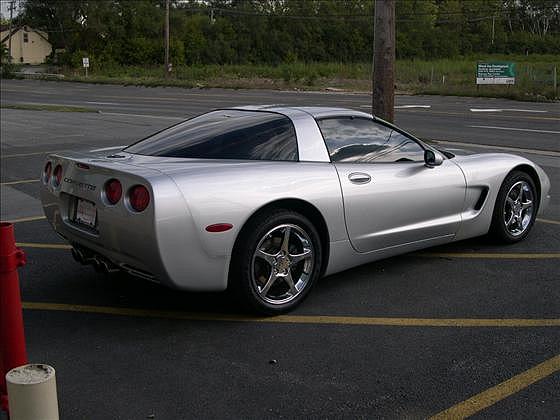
{"type": "Point", "coordinates": [489, 255]}
{"type": "Point", "coordinates": [42, 246]}
{"type": "Point", "coordinates": [473, 255]}
{"type": "Point", "coordinates": [296, 319]}
{"type": "Point", "coordinates": [23, 181]}
{"type": "Point", "coordinates": [503, 390]}
{"type": "Point", "coordinates": [552, 222]}
{"type": "Point", "coordinates": [25, 219]}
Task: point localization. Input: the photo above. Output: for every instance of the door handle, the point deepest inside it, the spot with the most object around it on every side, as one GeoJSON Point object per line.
{"type": "Point", "coordinates": [359, 178]}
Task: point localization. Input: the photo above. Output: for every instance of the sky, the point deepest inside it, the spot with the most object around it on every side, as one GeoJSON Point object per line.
{"type": "Point", "coordinates": [4, 8]}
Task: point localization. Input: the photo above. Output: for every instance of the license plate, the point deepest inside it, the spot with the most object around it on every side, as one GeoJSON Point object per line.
{"type": "Point", "coordinates": [86, 213]}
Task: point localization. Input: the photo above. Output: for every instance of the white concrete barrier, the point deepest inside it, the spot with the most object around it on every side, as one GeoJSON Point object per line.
{"type": "Point", "coordinates": [32, 392]}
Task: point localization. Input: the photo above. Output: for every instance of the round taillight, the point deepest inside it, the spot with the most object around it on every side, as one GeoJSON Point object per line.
{"type": "Point", "coordinates": [57, 175]}
{"type": "Point", "coordinates": [47, 172]}
{"type": "Point", "coordinates": [113, 191]}
{"type": "Point", "coordinates": [139, 197]}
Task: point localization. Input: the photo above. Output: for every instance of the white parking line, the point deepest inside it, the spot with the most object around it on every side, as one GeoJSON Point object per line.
{"type": "Point", "coordinates": [515, 129]}
{"type": "Point", "coordinates": [402, 106]}
{"type": "Point", "coordinates": [505, 109]}
{"type": "Point", "coordinates": [411, 106]}
{"type": "Point", "coordinates": [60, 136]}
{"type": "Point", "coordinates": [102, 103]}
{"type": "Point", "coordinates": [142, 115]}
{"type": "Point", "coordinates": [44, 104]}
{"type": "Point", "coordinates": [505, 148]}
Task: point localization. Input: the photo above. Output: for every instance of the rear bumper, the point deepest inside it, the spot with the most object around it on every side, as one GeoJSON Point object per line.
{"type": "Point", "coordinates": [161, 247]}
{"type": "Point", "coordinates": [107, 242]}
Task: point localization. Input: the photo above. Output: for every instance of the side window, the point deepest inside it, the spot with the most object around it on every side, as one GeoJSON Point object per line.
{"type": "Point", "coordinates": [25, 37]}
{"type": "Point", "coordinates": [365, 141]}
{"type": "Point", "coordinates": [403, 149]}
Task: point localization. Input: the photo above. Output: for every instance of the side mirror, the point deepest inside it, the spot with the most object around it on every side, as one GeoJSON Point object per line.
{"type": "Point", "coordinates": [432, 158]}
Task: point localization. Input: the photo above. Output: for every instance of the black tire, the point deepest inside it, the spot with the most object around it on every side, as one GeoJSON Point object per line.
{"type": "Point", "coordinates": [250, 273]}
{"type": "Point", "coordinates": [499, 228]}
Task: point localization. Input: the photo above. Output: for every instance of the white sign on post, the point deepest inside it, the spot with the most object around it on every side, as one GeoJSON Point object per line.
{"type": "Point", "coordinates": [495, 73]}
{"type": "Point", "coordinates": [85, 63]}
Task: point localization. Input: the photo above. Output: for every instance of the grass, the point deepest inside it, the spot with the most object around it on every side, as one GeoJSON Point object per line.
{"type": "Point", "coordinates": [534, 79]}
{"type": "Point", "coordinates": [47, 107]}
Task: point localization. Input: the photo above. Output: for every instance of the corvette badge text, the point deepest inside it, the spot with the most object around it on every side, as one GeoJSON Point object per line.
{"type": "Point", "coordinates": [80, 185]}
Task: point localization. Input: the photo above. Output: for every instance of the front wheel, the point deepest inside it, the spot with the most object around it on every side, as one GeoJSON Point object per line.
{"type": "Point", "coordinates": [277, 261]}
{"type": "Point", "coordinates": [516, 208]}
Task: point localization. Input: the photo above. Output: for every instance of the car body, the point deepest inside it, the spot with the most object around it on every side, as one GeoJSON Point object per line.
{"type": "Point", "coordinates": [363, 207]}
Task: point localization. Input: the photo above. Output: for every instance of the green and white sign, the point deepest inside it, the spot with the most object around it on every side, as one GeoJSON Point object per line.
{"type": "Point", "coordinates": [495, 73]}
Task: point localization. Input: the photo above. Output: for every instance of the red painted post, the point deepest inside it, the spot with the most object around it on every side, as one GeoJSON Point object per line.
{"type": "Point", "coordinates": [12, 338]}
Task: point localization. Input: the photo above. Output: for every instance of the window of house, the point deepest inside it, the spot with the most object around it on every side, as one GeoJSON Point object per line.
{"type": "Point", "coordinates": [25, 37]}
{"type": "Point", "coordinates": [361, 140]}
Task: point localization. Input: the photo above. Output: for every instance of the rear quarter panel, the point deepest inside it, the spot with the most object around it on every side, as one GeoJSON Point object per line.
{"type": "Point", "coordinates": [231, 192]}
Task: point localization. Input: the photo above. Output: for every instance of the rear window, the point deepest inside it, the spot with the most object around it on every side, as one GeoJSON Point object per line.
{"type": "Point", "coordinates": [225, 134]}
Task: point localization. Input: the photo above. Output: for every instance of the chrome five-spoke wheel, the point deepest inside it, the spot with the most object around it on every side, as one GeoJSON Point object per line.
{"type": "Point", "coordinates": [277, 260]}
{"type": "Point", "coordinates": [518, 208]}
{"type": "Point", "coordinates": [282, 264]}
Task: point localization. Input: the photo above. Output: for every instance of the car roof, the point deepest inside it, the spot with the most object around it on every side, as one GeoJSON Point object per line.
{"type": "Point", "coordinates": [314, 111]}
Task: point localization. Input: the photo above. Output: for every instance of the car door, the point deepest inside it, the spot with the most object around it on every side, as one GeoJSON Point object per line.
{"type": "Point", "coordinates": [391, 198]}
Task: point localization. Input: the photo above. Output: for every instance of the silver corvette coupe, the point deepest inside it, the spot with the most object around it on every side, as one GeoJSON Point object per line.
{"type": "Point", "coordinates": [266, 200]}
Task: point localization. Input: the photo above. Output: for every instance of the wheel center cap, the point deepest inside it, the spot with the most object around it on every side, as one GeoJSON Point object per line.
{"type": "Point", "coordinates": [282, 264]}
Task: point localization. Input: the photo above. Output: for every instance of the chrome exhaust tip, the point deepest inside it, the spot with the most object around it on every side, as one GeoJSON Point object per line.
{"type": "Point", "coordinates": [78, 256]}
{"type": "Point", "coordinates": [104, 267]}
{"type": "Point", "coordinates": [112, 268]}
{"type": "Point", "coordinates": [99, 263]}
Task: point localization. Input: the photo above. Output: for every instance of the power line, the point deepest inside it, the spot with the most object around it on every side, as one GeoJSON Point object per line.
{"type": "Point", "coordinates": [233, 11]}
{"type": "Point", "coordinates": [362, 17]}
{"type": "Point", "coordinates": [403, 18]}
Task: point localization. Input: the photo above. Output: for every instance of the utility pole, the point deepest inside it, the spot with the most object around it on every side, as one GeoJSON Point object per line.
{"type": "Point", "coordinates": [493, 27]}
{"type": "Point", "coordinates": [12, 7]}
{"type": "Point", "coordinates": [383, 94]}
{"type": "Point", "coordinates": [167, 39]}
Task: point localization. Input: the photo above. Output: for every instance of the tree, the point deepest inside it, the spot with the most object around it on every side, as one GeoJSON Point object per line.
{"type": "Point", "coordinates": [278, 31]}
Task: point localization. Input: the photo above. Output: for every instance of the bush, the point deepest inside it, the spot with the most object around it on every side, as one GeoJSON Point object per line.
{"type": "Point", "coordinates": [6, 68]}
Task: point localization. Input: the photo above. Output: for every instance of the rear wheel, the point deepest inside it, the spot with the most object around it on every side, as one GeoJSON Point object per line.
{"type": "Point", "coordinates": [277, 261]}
{"type": "Point", "coordinates": [516, 208]}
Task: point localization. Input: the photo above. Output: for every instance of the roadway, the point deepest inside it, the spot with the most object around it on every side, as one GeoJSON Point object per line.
{"type": "Point", "coordinates": [472, 326]}
{"type": "Point", "coordinates": [498, 122]}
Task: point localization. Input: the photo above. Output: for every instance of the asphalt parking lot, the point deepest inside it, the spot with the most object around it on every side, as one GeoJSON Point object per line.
{"type": "Point", "coordinates": [471, 328]}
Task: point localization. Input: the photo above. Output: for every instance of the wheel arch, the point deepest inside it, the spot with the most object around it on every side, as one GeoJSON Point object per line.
{"type": "Point", "coordinates": [301, 206]}
{"type": "Point", "coordinates": [529, 170]}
